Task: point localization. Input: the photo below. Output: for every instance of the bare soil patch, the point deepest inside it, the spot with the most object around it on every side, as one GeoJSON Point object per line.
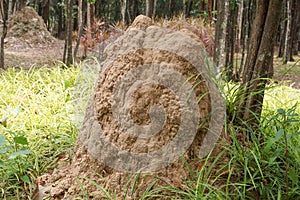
{"type": "Point", "coordinates": [288, 73]}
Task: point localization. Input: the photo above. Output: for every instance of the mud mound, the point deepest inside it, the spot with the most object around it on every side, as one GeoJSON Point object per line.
{"type": "Point", "coordinates": [27, 29]}
{"type": "Point", "coordinates": [145, 120]}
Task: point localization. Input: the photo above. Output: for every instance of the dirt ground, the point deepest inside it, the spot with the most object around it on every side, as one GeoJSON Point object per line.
{"type": "Point", "coordinates": [288, 73]}
{"type": "Point", "coordinates": [37, 56]}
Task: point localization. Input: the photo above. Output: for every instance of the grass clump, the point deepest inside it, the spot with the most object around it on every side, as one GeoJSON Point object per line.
{"type": "Point", "coordinates": [35, 128]}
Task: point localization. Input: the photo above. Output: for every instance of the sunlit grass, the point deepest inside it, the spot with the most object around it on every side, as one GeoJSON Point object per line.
{"type": "Point", "coordinates": [281, 97]}
{"type": "Point", "coordinates": [36, 104]}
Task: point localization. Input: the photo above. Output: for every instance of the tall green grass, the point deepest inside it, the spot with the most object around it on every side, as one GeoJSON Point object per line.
{"type": "Point", "coordinates": [36, 128]}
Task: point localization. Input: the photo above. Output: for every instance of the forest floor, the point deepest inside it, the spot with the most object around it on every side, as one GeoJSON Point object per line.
{"type": "Point", "coordinates": [26, 57]}
{"type": "Point", "coordinates": [289, 73]}
{"type": "Point", "coordinates": [29, 43]}
{"type": "Point", "coordinates": [50, 55]}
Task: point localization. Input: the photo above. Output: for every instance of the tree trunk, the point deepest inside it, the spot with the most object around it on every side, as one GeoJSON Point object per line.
{"type": "Point", "coordinates": [292, 30]}
{"type": "Point", "coordinates": [4, 16]}
{"type": "Point", "coordinates": [69, 33]}
{"type": "Point", "coordinates": [13, 7]}
{"type": "Point", "coordinates": [287, 39]}
{"type": "Point", "coordinates": [220, 35]}
{"type": "Point", "coordinates": [259, 60]}
{"type": "Point", "coordinates": [60, 21]}
{"type": "Point", "coordinates": [283, 25]}
{"type": "Point", "coordinates": [297, 37]}
{"type": "Point", "coordinates": [239, 25]}
{"type": "Point", "coordinates": [135, 9]}
{"type": "Point", "coordinates": [245, 34]}
{"type": "Point", "coordinates": [187, 5]}
{"type": "Point", "coordinates": [46, 12]}
{"type": "Point", "coordinates": [88, 22]}
{"type": "Point", "coordinates": [230, 41]}
{"type": "Point", "coordinates": [149, 8]}
{"type": "Point", "coordinates": [171, 8]}
{"type": "Point", "coordinates": [123, 10]}
{"type": "Point", "coordinates": [202, 6]}
{"type": "Point", "coordinates": [79, 14]}
{"type": "Point", "coordinates": [209, 11]}
{"type": "Point", "coordinates": [154, 9]}
{"type": "Point", "coordinates": [81, 23]}
{"type": "Point", "coordinates": [129, 19]}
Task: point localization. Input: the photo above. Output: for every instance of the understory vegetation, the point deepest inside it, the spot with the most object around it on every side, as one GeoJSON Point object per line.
{"type": "Point", "coordinates": [38, 129]}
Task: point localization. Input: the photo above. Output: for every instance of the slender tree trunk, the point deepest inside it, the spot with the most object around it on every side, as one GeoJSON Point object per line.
{"type": "Point", "coordinates": [128, 12]}
{"type": "Point", "coordinates": [209, 11]}
{"type": "Point", "coordinates": [202, 6]}
{"type": "Point", "coordinates": [171, 8]}
{"type": "Point", "coordinates": [149, 8]}
{"type": "Point", "coordinates": [259, 60]}
{"type": "Point", "coordinates": [287, 39]}
{"type": "Point", "coordinates": [244, 35]}
{"type": "Point", "coordinates": [220, 35]}
{"type": "Point", "coordinates": [4, 15]}
{"type": "Point", "coordinates": [88, 21]}
{"type": "Point", "coordinates": [297, 37]}
{"type": "Point", "coordinates": [215, 4]}
{"type": "Point", "coordinates": [123, 10]}
{"type": "Point", "coordinates": [239, 25]}
{"type": "Point", "coordinates": [154, 9]}
{"type": "Point", "coordinates": [187, 5]}
{"type": "Point", "coordinates": [69, 33]}
{"type": "Point", "coordinates": [135, 8]}
{"type": "Point", "coordinates": [292, 29]}
{"type": "Point", "coordinates": [230, 42]}
{"type": "Point", "coordinates": [13, 7]}
{"type": "Point", "coordinates": [46, 12]}
{"type": "Point", "coordinates": [60, 21]}
{"type": "Point", "coordinates": [79, 14]}
{"type": "Point", "coordinates": [283, 25]}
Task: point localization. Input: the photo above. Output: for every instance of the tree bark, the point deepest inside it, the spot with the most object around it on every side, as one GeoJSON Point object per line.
{"type": "Point", "coordinates": [292, 30]}
{"type": "Point", "coordinates": [259, 60]}
{"type": "Point", "coordinates": [79, 14]}
{"type": "Point", "coordinates": [209, 11]}
{"type": "Point", "coordinates": [4, 15]}
{"type": "Point", "coordinates": [239, 25]}
{"type": "Point", "coordinates": [220, 35]}
{"type": "Point", "coordinates": [135, 9]}
{"type": "Point", "coordinates": [60, 20]}
{"type": "Point", "coordinates": [123, 10]}
{"type": "Point", "coordinates": [297, 39]}
{"type": "Point", "coordinates": [154, 9]}
{"type": "Point", "coordinates": [245, 34]}
{"type": "Point", "coordinates": [46, 12]}
{"type": "Point", "coordinates": [287, 39]}
{"type": "Point", "coordinates": [230, 41]}
{"type": "Point", "coordinates": [171, 8]}
{"type": "Point", "coordinates": [81, 23]}
{"type": "Point", "coordinates": [149, 8]}
{"type": "Point", "coordinates": [69, 33]}
{"type": "Point", "coordinates": [283, 25]}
